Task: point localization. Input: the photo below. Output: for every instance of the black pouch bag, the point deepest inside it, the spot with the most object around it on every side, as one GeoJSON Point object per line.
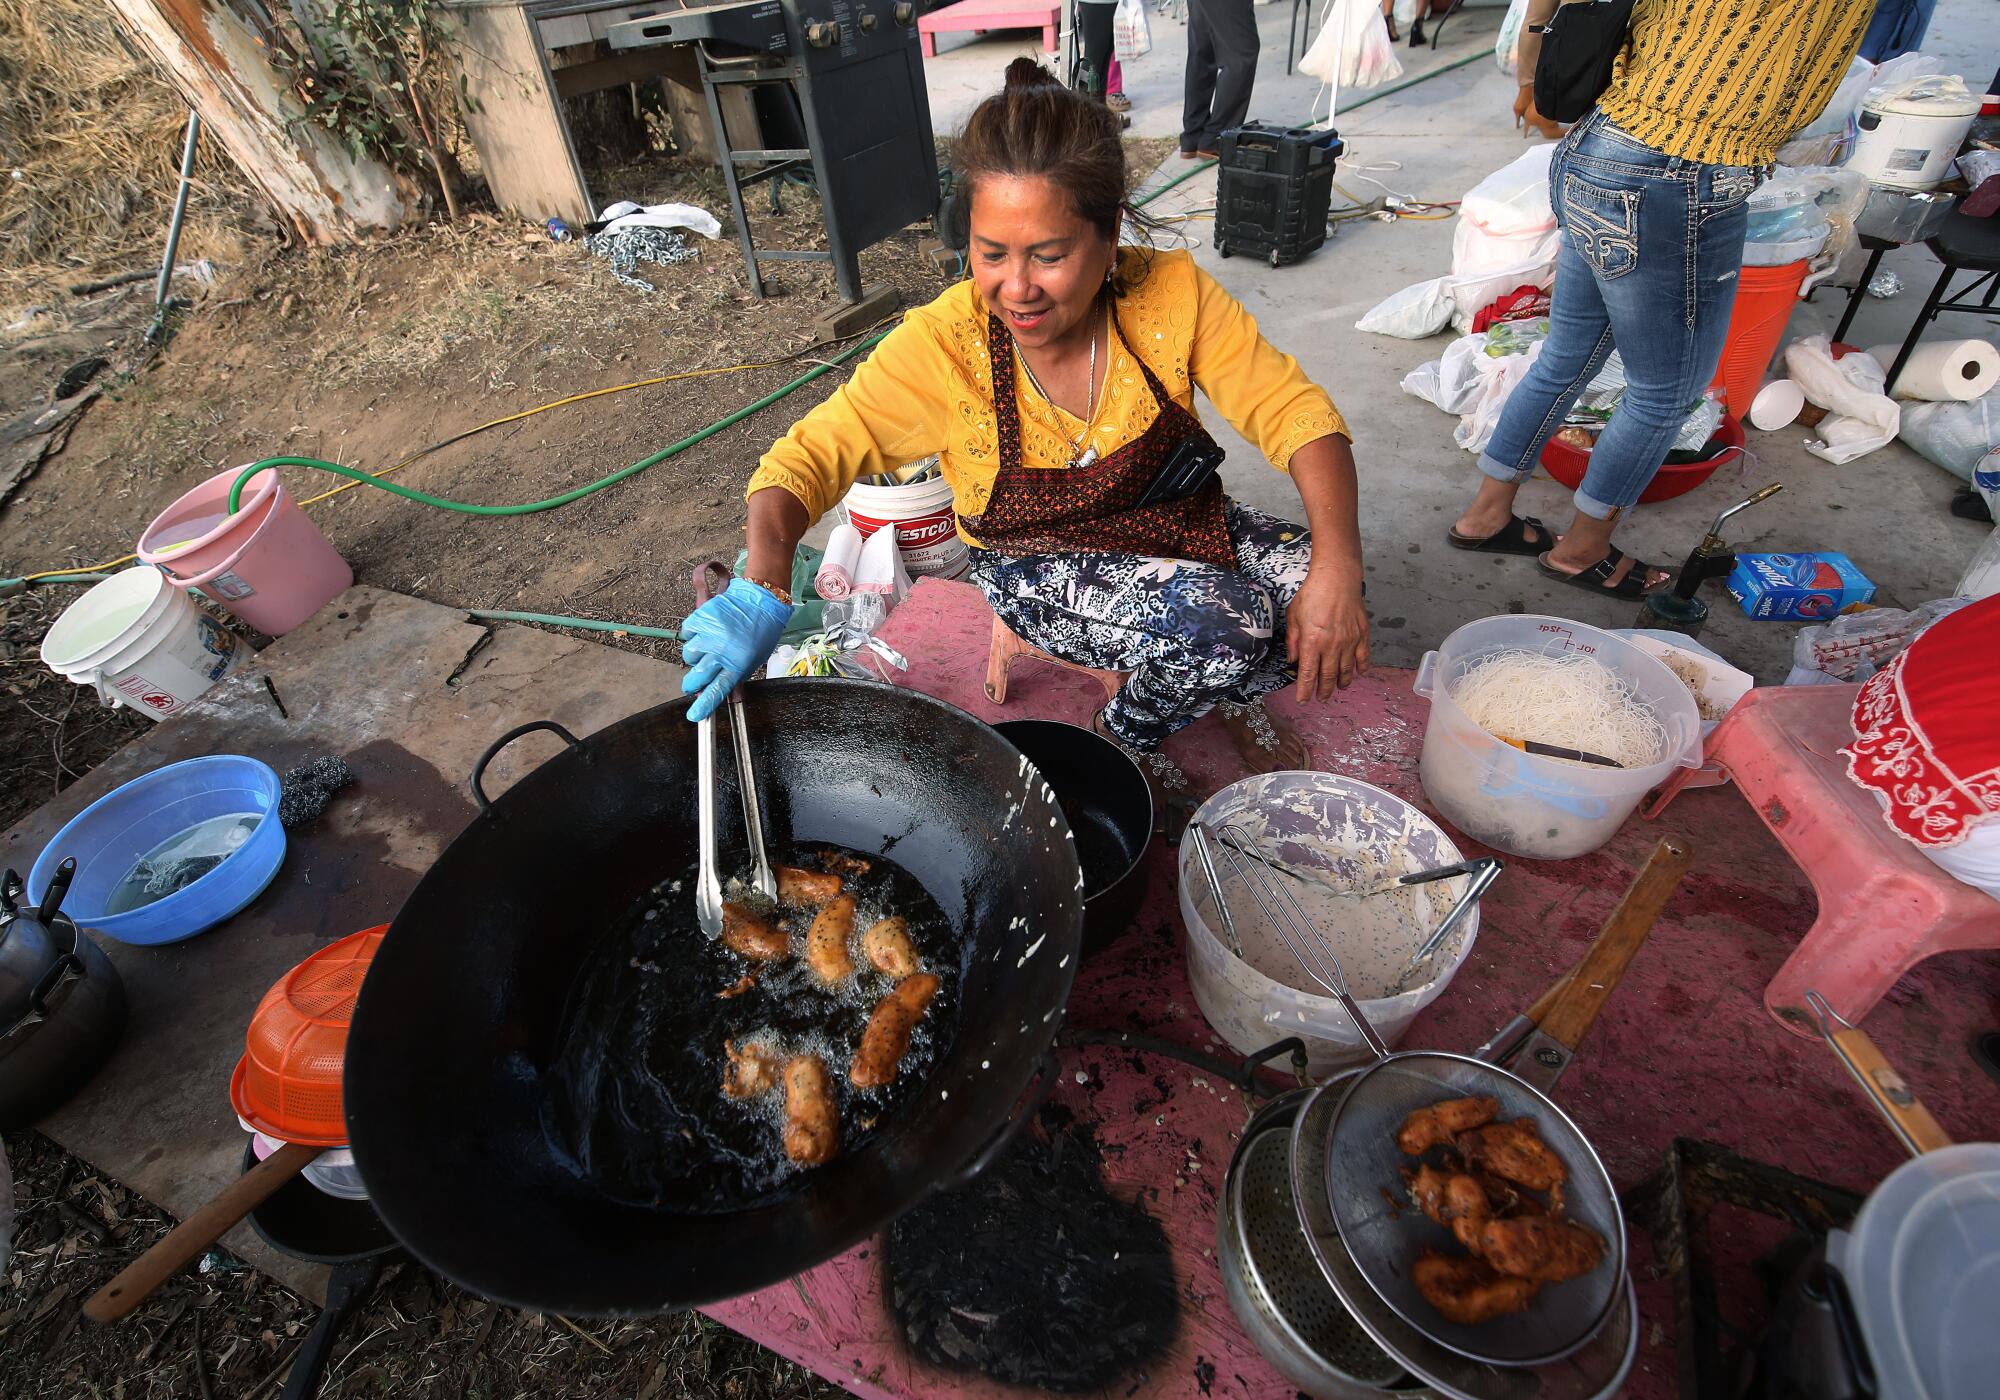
{"type": "Point", "coordinates": [1580, 44]}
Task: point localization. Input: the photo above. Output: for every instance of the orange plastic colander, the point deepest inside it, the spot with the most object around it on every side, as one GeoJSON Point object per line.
{"type": "Point", "coordinates": [287, 1085]}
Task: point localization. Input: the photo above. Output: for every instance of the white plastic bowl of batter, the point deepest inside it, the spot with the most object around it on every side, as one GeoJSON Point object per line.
{"type": "Point", "coordinates": [1332, 833]}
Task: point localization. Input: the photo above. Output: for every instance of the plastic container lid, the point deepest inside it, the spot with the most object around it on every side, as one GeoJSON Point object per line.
{"type": "Point", "coordinates": [1922, 1265]}
{"type": "Point", "coordinates": [1931, 103]}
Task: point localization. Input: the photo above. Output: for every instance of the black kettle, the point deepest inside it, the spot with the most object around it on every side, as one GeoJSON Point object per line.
{"type": "Point", "coordinates": [62, 1004]}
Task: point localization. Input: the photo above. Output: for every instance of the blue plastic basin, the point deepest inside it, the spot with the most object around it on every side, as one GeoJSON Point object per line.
{"type": "Point", "coordinates": [112, 833]}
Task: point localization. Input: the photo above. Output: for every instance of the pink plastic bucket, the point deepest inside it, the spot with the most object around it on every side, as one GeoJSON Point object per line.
{"type": "Point", "coordinates": [268, 563]}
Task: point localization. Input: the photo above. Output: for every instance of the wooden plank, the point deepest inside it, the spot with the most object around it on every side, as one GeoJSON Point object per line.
{"type": "Point", "coordinates": [597, 74]}
{"type": "Point", "coordinates": [516, 119]}
{"type": "Point", "coordinates": [408, 693]}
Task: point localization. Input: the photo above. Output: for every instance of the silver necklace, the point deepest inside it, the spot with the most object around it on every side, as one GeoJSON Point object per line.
{"type": "Point", "coordinates": [1079, 456]}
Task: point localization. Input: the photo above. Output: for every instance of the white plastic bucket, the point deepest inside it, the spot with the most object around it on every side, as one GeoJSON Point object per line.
{"type": "Point", "coordinates": [1522, 803]}
{"type": "Point", "coordinates": [926, 525]}
{"type": "Point", "coordinates": [141, 643]}
{"type": "Point", "coordinates": [1330, 828]}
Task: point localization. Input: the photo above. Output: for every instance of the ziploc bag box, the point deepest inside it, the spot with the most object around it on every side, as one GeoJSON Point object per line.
{"type": "Point", "coordinates": [1803, 586]}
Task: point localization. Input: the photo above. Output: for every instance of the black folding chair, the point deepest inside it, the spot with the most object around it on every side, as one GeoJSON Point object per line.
{"type": "Point", "coordinates": [1962, 244]}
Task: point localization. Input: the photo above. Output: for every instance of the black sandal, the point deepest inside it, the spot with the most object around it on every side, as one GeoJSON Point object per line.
{"type": "Point", "coordinates": [1511, 538]}
{"type": "Point", "coordinates": [1597, 578]}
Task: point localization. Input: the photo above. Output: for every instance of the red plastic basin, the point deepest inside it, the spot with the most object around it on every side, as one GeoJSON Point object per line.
{"type": "Point", "coordinates": [1567, 464]}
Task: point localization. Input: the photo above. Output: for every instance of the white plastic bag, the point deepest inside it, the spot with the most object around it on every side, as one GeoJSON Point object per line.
{"type": "Point", "coordinates": [1514, 199]}
{"type": "Point", "coordinates": [1413, 313]}
{"type": "Point", "coordinates": [1956, 436]}
{"type": "Point", "coordinates": [1506, 222]}
{"type": "Point", "coordinates": [625, 214]}
{"type": "Point", "coordinates": [1131, 35]}
{"type": "Point", "coordinates": [1353, 48]}
{"type": "Point", "coordinates": [1835, 194]}
{"type": "Point", "coordinates": [1498, 379]}
{"type": "Point", "coordinates": [1982, 575]}
{"type": "Point", "coordinates": [1506, 49]}
{"type": "Point", "coordinates": [1824, 140]}
{"type": "Point", "coordinates": [1854, 646]}
{"type": "Point", "coordinates": [1454, 381]}
{"type": "Point", "coordinates": [1860, 416]}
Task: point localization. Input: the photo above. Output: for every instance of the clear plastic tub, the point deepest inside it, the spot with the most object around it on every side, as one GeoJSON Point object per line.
{"type": "Point", "coordinates": [1521, 803]}
{"type": "Point", "coordinates": [1921, 1263]}
{"type": "Point", "coordinates": [1345, 832]}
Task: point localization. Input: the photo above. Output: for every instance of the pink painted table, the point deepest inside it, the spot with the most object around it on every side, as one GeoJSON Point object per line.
{"type": "Point", "coordinates": [979, 16]}
{"type": "Point", "coordinates": [1683, 1049]}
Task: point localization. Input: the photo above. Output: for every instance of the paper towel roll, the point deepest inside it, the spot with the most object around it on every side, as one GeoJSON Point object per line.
{"type": "Point", "coordinates": [877, 571]}
{"type": "Point", "coordinates": [1944, 370]}
{"type": "Point", "coordinates": [835, 579]}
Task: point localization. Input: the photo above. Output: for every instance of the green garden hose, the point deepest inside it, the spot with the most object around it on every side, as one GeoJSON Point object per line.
{"type": "Point", "coordinates": [550, 503]}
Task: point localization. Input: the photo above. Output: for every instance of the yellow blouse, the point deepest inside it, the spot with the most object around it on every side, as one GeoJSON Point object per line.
{"type": "Point", "coordinates": [928, 388]}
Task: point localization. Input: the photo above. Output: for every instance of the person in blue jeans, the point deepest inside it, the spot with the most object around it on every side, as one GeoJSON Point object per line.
{"type": "Point", "coordinates": [1651, 191]}
{"type": "Point", "coordinates": [1651, 248]}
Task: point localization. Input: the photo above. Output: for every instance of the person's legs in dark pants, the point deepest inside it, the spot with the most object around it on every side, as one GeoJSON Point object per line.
{"type": "Point", "coordinates": [1093, 18]}
{"type": "Point", "coordinates": [1199, 81]}
{"type": "Point", "coordinates": [1233, 28]}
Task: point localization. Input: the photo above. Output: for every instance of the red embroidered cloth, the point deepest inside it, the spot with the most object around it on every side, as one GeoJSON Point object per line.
{"type": "Point", "coordinates": [1927, 728]}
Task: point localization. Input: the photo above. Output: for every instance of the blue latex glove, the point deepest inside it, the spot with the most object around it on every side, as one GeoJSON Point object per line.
{"type": "Point", "coordinates": [727, 638]}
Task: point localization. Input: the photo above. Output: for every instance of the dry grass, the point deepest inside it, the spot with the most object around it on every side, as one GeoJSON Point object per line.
{"type": "Point", "coordinates": [90, 145]}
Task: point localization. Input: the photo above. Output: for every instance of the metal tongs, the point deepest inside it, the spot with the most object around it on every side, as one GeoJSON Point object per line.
{"type": "Point", "coordinates": [1285, 914]}
{"type": "Point", "coordinates": [708, 880]}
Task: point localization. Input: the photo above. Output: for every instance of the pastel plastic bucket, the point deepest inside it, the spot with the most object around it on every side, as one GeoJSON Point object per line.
{"type": "Point", "coordinates": [141, 643]}
{"type": "Point", "coordinates": [1765, 297]}
{"type": "Point", "coordinates": [1521, 803]}
{"type": "Point", "coordinates": [268, 563]}
{"type": "Point", "coordinates": [1323, 822]}
{"type": "Point", "coordinates": [926, 525]}
{"type": "Point", "coordinates": [110, 835]}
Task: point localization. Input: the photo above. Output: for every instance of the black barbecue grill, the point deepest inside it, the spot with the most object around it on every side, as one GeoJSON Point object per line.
{"type": "Point", "coordinates": [855, 74]}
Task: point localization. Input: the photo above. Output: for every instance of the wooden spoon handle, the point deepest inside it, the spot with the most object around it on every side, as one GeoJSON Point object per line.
{"type": "Point", "coordinates": [1579, 999]}
{"type": "Point", "coordinates": [196, 1233]}
{"type": "Point", "coordinates": [1889, 1091]}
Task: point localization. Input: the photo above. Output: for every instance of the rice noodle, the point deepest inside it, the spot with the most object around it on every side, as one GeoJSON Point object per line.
{"type": "Point", "coordinates": [1571, 700]}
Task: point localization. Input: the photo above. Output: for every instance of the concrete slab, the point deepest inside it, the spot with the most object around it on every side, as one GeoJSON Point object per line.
{"type": "Point", "coordinates": [1886, 511]}
{"type": "Point", "coordinates": [409, 693]}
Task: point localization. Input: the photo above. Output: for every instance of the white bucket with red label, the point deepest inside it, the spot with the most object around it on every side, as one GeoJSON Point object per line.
{"type": "Point", "coordinates": [141, 643]}
{"type": "Point", "coordinates": [926, 525]}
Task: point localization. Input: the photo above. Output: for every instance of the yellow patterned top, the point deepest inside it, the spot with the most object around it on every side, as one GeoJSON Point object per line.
{"type": "Point", "coordinates": [928, 388]}
{"type": "Point", "coordinates": [1727, 82]}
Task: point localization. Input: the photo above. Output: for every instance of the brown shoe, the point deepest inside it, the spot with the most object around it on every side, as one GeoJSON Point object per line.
{"type": "Point", "coordinates": [1118, 102]}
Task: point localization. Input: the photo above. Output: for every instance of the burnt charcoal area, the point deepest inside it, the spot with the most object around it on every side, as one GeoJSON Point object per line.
{"type": "Point", "coordinates": [1035, 1274]}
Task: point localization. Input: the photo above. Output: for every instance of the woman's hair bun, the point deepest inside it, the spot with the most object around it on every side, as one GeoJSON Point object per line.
{"type": "Point", "coordinates": [1024, 74]}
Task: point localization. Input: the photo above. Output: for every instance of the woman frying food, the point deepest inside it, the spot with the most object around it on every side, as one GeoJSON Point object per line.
{"type": "Point", "coordinates": [1057, 387]}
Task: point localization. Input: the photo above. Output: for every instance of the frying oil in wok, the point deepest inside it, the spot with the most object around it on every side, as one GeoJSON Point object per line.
{"type": "Point", "coordinates": [636, 1096]}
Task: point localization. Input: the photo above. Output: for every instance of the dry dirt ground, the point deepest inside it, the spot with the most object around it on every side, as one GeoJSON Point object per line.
{"type": "Point", "coordinates": [364, 357]}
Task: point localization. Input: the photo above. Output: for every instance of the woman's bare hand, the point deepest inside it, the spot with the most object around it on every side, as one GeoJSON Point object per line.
{"type": "Point", "coordinates": [1326, 635]}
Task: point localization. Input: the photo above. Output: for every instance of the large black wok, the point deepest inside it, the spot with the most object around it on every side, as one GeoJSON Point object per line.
{"type": "Point", "coordinates": [460, 1016]}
